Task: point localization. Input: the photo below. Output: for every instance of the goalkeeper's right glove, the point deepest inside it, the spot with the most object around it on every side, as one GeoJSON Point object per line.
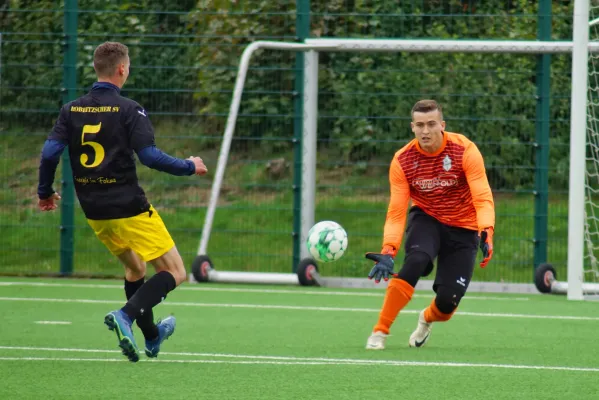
{"type": "Point", "coordinates": [383, 267]}
{"type": "Point", "coordinates": [486, 245]}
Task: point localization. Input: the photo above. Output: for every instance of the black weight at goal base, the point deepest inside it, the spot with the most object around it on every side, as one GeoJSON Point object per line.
{"type": "Point", "coordinates": [307, 273]}
{"type": "Point", "coordinates": [200, 267]}
{"type": "Point", "coordinates": [545, 280]}
{"type": "Point", "coordinates": [545, 276]}
{"type": "Point", "coordinates": [202, 270]}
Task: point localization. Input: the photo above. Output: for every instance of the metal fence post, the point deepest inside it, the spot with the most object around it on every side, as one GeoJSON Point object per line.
{"type": "Point", "coordinates": [302, 27]}
{"type": "Point", "coordinates": [69, 90]}
{"type": "Point", "coordinates": [542, 138]}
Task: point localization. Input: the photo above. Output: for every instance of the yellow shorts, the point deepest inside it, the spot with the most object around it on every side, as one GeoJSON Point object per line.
{"type": "Point", "coordinates": [145, 234]}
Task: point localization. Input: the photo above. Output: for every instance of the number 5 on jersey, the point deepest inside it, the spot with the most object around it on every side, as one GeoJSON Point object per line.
{"type": "Point", "coordinates": [98, 149]}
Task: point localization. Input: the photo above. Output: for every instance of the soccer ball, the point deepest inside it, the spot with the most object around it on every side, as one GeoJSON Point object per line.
{"type": "Point", "coordinates": [327, 241]}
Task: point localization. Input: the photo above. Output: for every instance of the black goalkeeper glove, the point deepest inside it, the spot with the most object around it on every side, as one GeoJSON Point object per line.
{"type": "Point", "coordinates": [486, 245]}
{"type": "Point", "coordinates": [383, 267]}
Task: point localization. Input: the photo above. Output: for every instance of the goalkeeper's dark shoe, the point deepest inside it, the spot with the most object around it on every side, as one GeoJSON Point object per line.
{"type": "Point", "coordinates": [166, 327]}
{"type": "Point", "coordinates": [120, 323]}
{"type": "Point", "coordinates": [422, 333]}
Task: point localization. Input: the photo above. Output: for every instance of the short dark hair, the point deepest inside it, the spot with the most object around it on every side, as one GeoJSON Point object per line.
{"type": "Point", "coordinates": [425, 106]}
{"type": "Point", "coordinates": [107, 56]}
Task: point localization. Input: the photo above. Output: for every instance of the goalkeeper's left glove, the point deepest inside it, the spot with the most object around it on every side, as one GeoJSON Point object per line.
{"type": "Point", "coordinates": [383, 267]}
{"type": "Point", "coordinates": [486, 245]}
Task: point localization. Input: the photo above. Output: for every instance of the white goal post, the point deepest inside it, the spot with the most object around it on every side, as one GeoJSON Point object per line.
{"type": "Point", "coordinates": [578, 126]}
{"type": "Point", "coordinates": [579, 47]}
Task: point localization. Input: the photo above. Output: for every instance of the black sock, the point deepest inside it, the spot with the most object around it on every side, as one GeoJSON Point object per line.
{"type": "Point", "coordinates": [146, 320]}
{"type": "Point", "coordinates": [150, 294]}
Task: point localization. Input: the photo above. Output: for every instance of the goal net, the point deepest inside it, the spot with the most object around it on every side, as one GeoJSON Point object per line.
{"type": "Point", "coordinates": [591, 225]}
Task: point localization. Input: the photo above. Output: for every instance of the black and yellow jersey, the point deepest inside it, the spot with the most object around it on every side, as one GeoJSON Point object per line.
{"type": "Point", "coordinates": [102, 130]}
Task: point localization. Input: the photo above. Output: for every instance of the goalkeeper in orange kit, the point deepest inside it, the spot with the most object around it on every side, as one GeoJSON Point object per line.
{"type": "Point", "coordinates": [452, 214]}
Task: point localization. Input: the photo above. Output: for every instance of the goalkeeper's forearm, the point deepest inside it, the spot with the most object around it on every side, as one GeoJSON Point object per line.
{"type": "Point", "coordinates": [392, 239]}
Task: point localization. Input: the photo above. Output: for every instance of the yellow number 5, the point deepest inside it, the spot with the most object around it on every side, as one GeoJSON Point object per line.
{"type": "Point", "coordinates": [98, 149]}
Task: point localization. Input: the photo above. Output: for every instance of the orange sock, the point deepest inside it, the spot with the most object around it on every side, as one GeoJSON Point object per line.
{"type": "Point", "coordinates": [432, 314]}
{"type": "Point", "coordinates": [399, 293]}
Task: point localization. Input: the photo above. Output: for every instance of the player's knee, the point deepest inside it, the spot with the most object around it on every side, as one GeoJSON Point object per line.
{"type": "Point", "coordinates": [177, 268]}
{"type": "Point", "coordinates": [141, 269]}
{"type": "Point", "coordinates": [429, 268]}
{"type": "Point", "coordinates": [181, 276]}
{"type": "Point", "coordinates": [134, 275]}
{"type": "Point", "coordinates": [178, 272]}
{"type": "Point", "coordinates": [172, 262]}
{"type": "Point", "coordinates": [415, 264]}
{"type": "Point", "coordinates": [135, 267]}
{"type": "Point", "coordinates": [448, 299]}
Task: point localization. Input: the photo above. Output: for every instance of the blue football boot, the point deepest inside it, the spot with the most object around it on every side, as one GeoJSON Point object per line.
{"type": "Point", "coordinates": [166, 327]}
{"type": "Point", "coordinates": [119, 322]}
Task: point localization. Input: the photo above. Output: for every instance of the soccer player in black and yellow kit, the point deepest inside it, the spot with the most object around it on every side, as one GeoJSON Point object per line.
{"type": "Point", "coordinates": [102, 131]}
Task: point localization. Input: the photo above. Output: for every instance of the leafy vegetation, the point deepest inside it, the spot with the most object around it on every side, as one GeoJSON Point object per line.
{"type": "Point", "coordinates": [185, 56]}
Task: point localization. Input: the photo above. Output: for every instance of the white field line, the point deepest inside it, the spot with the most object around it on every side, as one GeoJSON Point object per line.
{"type": "Point", "coordinates": [53, 322]}
{"type": "Point", "coordinates": [216, 358]}
{"type": "Point", "coordinates": [316, 292]}
{"type": "Point", "coordinates": [177, 361]}
{"type": "Point", "coordinates": [299, 308]}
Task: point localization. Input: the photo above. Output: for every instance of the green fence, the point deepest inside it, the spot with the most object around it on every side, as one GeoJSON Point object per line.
{"type": "Point", "coordinates": [184, 59]}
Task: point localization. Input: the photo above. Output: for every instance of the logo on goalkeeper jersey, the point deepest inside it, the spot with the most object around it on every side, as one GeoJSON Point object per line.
{"type": "Point", "coordinates": [430, 184]}
{"type": "Point", "coordinates": [447, 163]}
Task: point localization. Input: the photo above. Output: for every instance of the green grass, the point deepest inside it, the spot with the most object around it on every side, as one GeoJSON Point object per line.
{"type": "Point", "coordinates": [255, 342]}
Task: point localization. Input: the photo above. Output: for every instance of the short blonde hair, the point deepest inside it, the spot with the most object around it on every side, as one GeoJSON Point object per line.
{"type": "Point", "coordinates": [108, 56]}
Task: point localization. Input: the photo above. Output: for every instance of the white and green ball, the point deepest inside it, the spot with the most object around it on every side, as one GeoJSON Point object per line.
{"type": "Point", "coordinates": [327, 241]}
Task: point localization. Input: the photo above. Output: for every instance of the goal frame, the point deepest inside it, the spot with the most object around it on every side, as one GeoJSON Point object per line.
{"type": "Point", "coordinates": [579, 48]}
{"type": "Point", "coordinates": [578, 126]}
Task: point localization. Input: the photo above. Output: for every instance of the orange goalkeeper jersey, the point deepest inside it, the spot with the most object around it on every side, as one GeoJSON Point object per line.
{"type": "Point", "coordinates": [450, 185]}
